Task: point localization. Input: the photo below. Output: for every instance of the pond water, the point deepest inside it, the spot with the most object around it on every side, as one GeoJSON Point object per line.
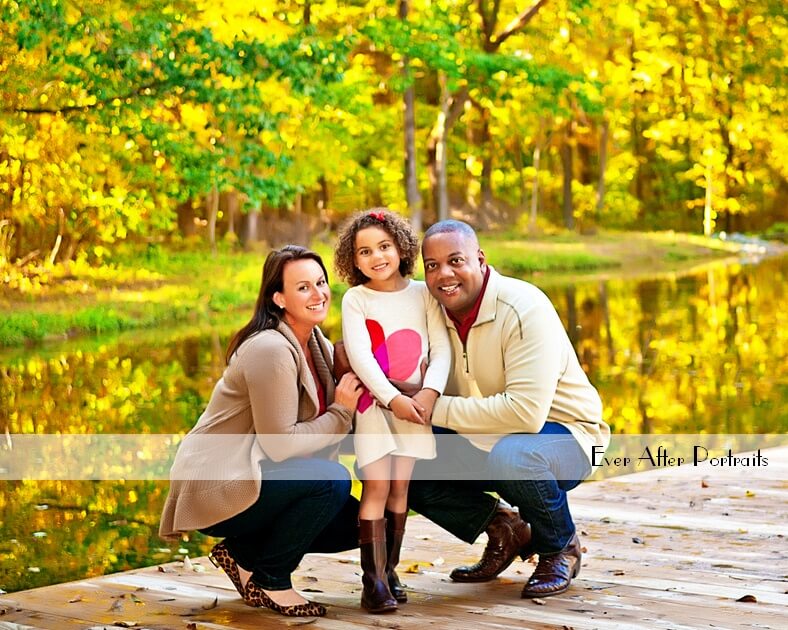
{"type": "Point", "coordinates": [703, 352]}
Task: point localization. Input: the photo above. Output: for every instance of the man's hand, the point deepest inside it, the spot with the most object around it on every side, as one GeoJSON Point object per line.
{"type": "Point", "coordinates": [406, 408]}
{"type": "Point", "coordinates": [426, 398]}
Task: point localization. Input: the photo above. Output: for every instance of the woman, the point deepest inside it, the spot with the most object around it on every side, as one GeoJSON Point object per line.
{"type": "Point", "coordinates": [259, 468]}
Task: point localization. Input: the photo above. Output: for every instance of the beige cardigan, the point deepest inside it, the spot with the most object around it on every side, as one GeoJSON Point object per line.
{"type": "Point", "coordinates": [265, 406]}
{"type": "Point", "coordinates": [517, 370]}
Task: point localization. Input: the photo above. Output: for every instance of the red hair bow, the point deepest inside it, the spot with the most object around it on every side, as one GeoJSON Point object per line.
{"type": "Point", "coordinates": [378, 215]}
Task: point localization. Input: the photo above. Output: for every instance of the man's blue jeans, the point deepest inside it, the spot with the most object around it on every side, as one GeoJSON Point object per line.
{"type": "Point", "coordinates": [531, 471]}
{"type": "Point", "coordinates": [304, 506]}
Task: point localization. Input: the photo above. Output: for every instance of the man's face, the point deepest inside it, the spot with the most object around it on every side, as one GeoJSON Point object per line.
{"type": "Point", "coordinates": [454, 269]}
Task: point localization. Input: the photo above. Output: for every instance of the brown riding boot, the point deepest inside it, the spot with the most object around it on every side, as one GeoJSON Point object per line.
{"type": "Point", "coordinates": [376, 596]}
{"type": "Point", "coordinates": [395, 530]}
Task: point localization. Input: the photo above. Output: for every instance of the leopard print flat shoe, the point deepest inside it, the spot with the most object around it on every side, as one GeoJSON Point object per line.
{"type": "Point", "coordinates": [256, 596]}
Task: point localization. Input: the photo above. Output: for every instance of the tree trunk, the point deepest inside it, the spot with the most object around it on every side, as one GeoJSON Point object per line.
{"type": "Point", "coordinates": [61, 224]}
{"type": "Point", "coordinates": [600, 188]}
{"type": "Point", "coordinates": [233, 205]}
{"type": "Point", "coordinates": [185, 213]}
{"type": "Point", "coordinates": [324, 194]}
{"type": "Point", "coordinates": [252, 228]}
{"type": "Point", "coordinates": [212, 207]}
{"type": "Point", "coordinates": [517, 158]}
{"type": "Point", "coordinates": [485, 142]}
{"type": "Point", "coordinates": [409, 105]}
{"type": "Point", "coordinates": [566, 163]}
{"type": "Point", "coordinates": [535, 189]}
{"type": "Point", "coordinates": [438, 135]}
{"type": "Point", "coordinates": [440, 152]}
{"type": "Point", "coordinates": [708, 219]}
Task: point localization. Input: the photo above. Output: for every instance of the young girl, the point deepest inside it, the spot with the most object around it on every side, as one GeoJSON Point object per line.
{"type": "Point", "coordinates": [390, 326]}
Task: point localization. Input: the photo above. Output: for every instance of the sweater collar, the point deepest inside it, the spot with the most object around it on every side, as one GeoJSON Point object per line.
{"type": "Point", "coordinates": [488, 303]}
{"type": "Point", "coordinates": [322, 356]}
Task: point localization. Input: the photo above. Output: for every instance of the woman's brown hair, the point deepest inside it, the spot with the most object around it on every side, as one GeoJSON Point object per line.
{"type": "Point", "coordinates": [266, 313]}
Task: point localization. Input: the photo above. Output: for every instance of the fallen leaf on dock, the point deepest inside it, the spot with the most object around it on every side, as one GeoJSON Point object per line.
{"type": "Point", "coordinates": [213, 604]}
{"type": "Point", "coordinates": [300, 622]}
{"type": "Point", "coordinates": [748, 599]}
{"type": "Point", "coordinates": [638, 541]}
{"type": "Point", "coordinates": [416, 567]}
{"type": "Point", "coordinates": [76, 599]}
{"type": "Point", "coordinates": [538, 601]}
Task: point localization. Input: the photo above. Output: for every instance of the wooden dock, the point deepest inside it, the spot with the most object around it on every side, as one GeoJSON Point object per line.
{"type": "Point", "coordinates": [667, 549]}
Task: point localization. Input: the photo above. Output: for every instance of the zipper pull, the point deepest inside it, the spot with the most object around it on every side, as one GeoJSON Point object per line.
{"type": "Point", "coordinates": [465, 359]}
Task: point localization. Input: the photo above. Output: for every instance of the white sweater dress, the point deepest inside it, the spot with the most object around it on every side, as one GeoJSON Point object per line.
{"type": "Point", "coordinates": [387, 335]}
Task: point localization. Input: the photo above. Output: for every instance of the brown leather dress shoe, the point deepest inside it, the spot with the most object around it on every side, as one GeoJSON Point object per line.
{"type": "Point", "coordinates": [508, 536]}
{"type": "Point", "coordinates": [554, 573]}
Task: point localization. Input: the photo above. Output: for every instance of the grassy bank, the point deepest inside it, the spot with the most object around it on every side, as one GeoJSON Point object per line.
{"type": "Point", "coordinates": [155, 286]}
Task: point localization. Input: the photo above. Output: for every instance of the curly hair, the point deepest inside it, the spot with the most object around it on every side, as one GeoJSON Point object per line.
{"type": "Point", "coordinates": [398, 228]}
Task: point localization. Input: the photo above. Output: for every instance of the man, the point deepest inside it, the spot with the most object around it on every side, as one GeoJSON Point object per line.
{"type": "Point", "coordinates": [526, 413]}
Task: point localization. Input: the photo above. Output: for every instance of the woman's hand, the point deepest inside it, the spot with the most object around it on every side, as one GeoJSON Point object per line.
{"type": "Point", "coordinates": [348, 391]}
{"type": "Point", "coordinates": [406, 408]}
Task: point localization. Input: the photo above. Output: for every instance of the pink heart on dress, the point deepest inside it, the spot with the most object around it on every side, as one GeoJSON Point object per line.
{"type": "Point", "coordinates": [398, 356]}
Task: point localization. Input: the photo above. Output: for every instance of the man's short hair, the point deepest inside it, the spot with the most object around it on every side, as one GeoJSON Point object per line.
{"type": "Point", "coordinates": [450, 226]}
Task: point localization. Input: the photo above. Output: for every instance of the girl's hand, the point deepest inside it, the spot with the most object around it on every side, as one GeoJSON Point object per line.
{"type": "Point", "coordinates": [426, 398]}
{"type": "Point", "coordinates": [348, 391]}
{"type": "Point", "coordinates": [407, 409]}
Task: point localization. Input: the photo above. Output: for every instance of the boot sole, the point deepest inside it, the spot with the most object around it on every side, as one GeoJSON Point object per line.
{"type": "Point", "coordinates": [378, 611]}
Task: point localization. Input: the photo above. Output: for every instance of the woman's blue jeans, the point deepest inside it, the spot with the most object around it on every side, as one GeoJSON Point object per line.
{"type": "Point", "coordinates": [304, 506]}
{"type": "Point", "coordinates": [530, 471]}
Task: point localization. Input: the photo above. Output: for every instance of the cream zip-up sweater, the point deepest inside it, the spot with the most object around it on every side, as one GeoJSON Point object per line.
{"type": "Point", "coordinates": [517, 370]}
{"type": "Point", "coordinates": [265, 406]}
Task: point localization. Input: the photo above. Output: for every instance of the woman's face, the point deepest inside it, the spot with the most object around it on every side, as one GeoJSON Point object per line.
{"type": "Point", "coordinates": [305, 295]}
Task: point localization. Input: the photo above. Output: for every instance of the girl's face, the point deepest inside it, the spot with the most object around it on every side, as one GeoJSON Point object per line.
{"type": "Point", "coordinates": [305, 295]}
{"type": "Point", "coordinates": [376, 256]}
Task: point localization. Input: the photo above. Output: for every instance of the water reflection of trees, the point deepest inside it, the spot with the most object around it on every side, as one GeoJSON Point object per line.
{"type": "Point", "coordinates": [701, 353]}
